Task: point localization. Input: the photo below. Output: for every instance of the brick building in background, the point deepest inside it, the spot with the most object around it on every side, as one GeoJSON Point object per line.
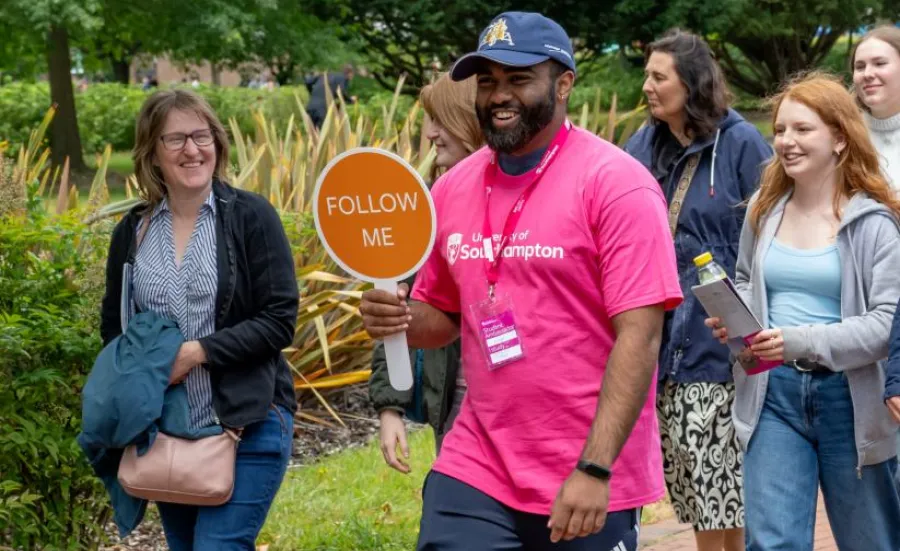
{"type": "Point", "coordinates": [167, 72]}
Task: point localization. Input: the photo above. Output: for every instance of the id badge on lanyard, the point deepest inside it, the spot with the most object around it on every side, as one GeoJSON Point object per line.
{"type": "Point", "coordinates": [499, 336]}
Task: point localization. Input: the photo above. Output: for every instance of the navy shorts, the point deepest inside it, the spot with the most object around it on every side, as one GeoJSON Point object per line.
{"type": "Point", "coordinates": [457, 517]}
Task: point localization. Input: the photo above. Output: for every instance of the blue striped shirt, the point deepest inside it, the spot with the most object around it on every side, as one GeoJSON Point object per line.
{"type": "Point", "coordinates": [186, 293]}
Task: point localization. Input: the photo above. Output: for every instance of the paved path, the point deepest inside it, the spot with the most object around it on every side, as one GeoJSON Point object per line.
{"type": "Point", "coordinates": [668, 535]}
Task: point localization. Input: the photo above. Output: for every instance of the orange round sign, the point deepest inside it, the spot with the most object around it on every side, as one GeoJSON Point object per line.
{"type": "Point", "coordinates": [374, 214]}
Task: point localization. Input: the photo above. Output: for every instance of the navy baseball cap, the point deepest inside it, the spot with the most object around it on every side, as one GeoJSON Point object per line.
{"type": "Point", "coordinates": [518, 39]}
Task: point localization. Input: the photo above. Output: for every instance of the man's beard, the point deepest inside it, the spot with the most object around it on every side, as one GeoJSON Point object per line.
{"type": "Point", "coordinates": [532, 120]}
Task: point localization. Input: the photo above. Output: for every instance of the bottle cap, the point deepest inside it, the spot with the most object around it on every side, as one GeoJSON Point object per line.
{"type": "Point", "coordinates": [703, 259]}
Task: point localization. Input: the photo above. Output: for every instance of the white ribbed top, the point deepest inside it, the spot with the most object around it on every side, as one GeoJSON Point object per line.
{"type": "Point", "coordinates": [885, 135]}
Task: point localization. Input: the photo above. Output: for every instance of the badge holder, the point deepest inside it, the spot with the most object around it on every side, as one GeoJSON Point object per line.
{"type": "Point", "coordinates": [499, 337]}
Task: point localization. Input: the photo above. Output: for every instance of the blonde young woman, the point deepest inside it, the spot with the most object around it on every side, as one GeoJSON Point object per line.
{"type": "Point", "coordinates": [453, 128]}
{"type": "Point", "coordinates": [818, 262]}
{"type": "Point", "coordinates": [216, 260]}
{"type": "Point", "coordinates": [876, 80]}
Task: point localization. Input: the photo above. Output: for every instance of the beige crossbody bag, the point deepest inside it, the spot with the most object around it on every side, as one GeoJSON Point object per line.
{"type": "Point", "coordinates": [177, 470]}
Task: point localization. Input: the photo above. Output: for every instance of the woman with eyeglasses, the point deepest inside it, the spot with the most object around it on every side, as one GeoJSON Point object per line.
{"type": "Point", "coordinates": [215, 260]}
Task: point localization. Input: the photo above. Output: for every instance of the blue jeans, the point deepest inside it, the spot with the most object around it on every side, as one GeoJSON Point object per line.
{"type": "Point", "coordinates": [457, 517]}
{"type": "Point", "coordinates": [262, 459]}
{"type": "Point", "coordinates": [805, 438]}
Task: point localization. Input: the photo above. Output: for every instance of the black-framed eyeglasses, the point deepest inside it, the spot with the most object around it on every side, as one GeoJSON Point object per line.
{"type": "Point", "coordinates": [177, 140]}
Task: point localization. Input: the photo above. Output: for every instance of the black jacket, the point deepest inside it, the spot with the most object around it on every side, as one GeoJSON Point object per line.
{"type": "Point", "coordinates": [256, 305]}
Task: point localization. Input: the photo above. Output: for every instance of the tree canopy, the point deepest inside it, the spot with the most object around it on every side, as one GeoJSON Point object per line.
{"type": "Point", "coordinates": [759, 43]}
{"type": "Point", "coordinates": [281, 35]}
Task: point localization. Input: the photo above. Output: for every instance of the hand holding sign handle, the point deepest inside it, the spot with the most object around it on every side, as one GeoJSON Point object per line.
{"type": "Point", "coordinates": [395, 348]}
{"type": "Point", "coordinates": [375, 216]}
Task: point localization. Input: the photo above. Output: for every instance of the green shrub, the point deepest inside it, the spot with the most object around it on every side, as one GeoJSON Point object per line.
{"type": "Point", "coordinates": [107, 112]}
{"type": "Point", "coordinates": [837, 60]}
{"type": "Point", "coordinates": [22, 107]}
{"type": "Point", "coordinates": [50, 282]}
{"type": "Point", "coordinates": [364, 88]}
{"type": "Point", "coordinates": [611, 74]}
{"type": "Point", "coordinates": [240, 103]}
{"type": "Point", "coordinates": [374, 106]}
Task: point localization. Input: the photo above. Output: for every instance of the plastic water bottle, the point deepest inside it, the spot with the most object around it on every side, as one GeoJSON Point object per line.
{"type": "Point", "coordinates": [708, 270]}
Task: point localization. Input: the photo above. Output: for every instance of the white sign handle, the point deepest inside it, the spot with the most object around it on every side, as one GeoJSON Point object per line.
{"type": "Point", "coordinates": [396, 349]}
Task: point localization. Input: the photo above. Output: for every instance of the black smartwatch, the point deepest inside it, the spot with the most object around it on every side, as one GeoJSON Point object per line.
{"type": "Point", "coordinates": [594, 470]}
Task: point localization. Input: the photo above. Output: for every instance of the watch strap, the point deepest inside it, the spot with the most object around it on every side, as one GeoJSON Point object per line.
{"type": "Point", "coordinates": [594, 470]}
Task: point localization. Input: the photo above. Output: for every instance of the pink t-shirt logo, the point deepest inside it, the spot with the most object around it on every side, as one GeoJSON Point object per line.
{"type": "Point", "coordinates": [518, 246]}
{"type": "Point", "coordinates": [453, 243]}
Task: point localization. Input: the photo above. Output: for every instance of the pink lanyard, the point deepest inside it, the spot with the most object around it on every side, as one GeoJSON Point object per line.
{"type": "Point", "coordinates": [492, 261]}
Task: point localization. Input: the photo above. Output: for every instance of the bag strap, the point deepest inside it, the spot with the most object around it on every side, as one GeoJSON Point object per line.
{"type": "Point", "coordinates": [127, 306]}
{"type": "Point", "coordinates": [145, 219]}
{"type": "Point", "coordinates": [683, 184]}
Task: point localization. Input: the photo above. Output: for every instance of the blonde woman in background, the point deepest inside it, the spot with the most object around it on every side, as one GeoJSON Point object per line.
{"type": "Point", "coordinates": [452, 125]}
{"type": "Point", "coordinates": [876, 80]}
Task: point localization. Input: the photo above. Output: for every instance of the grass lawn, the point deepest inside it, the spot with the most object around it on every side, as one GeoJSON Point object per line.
{"type": "Point", "coordinates": [116, 194]}
{"type": "Point", "coordinates": [119, 162]}
{"type": "Point", "coordinates": [352, 501]}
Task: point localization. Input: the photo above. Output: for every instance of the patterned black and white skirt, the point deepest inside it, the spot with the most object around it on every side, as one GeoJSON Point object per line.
{"type": "Point", "coordinates": [701, 456]}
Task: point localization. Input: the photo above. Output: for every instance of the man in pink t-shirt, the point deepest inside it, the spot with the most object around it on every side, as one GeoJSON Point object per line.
{"type": "Point", "coordinates": [554, 263]}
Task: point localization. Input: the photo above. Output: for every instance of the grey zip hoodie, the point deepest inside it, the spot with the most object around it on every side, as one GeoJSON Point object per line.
{"type": "Point", "coordinates": [869, 246]}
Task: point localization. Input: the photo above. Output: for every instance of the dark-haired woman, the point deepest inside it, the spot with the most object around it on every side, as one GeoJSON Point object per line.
{"type": "Point", "coordinates": [708, 160]}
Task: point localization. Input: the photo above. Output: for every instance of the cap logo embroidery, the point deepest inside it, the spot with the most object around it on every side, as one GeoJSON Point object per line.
{"type": "Point", "coordinates": [497, 32]}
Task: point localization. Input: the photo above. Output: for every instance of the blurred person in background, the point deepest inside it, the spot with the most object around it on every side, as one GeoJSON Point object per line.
{"type": "Point", "coordinates": [317, 108]}
{"type": "Point", "coordinates": [876, 81]}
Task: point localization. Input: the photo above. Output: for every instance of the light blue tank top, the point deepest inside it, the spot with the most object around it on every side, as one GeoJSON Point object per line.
{"type": "Point", "coordinates": [803, 285]}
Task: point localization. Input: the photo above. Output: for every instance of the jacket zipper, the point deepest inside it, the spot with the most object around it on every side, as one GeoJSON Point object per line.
{"type": "Point", "coordinates": [232, 277]}
{"type": "Point", "coordinates": [229, 248]}
{"type": "Point", "coordinates": [677, 360]}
